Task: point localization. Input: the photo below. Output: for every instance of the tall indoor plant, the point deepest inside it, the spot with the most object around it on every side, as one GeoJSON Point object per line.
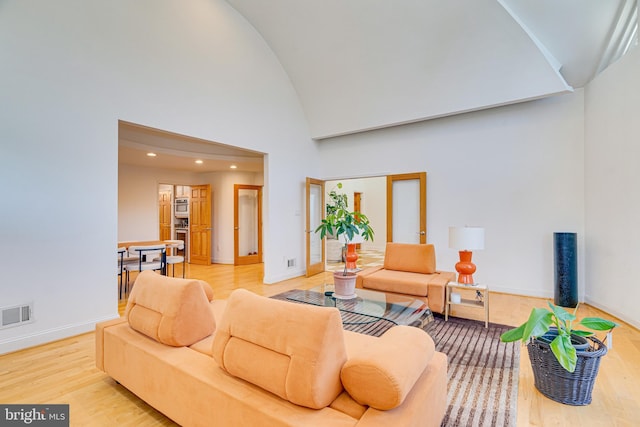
{"type": "Point", "coordinates": [341, 222]}
{"type": "Point", "coordinates": [564, 362]}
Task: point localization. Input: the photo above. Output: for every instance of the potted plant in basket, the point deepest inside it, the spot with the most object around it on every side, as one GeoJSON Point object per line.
{"type": "Point", "coordinates": [565, 360]}
{"type": "Point", "coordinates": [344, 225]}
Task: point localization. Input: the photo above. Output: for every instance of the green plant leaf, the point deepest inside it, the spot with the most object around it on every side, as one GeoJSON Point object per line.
{"type": "Point", "coordinates": [581, 333]}
{"type": "Point", "coordinates": [565, 352]}
{"type": "Point", "coordinates": [344, 222]}
{"type": "Point", "coordinates": [513, 334]}
{"type": "Point", "coordinates": [597, 324]}
{"type": "Point", "coordinates": [562, 314]}
{"type": "Point", "coordinates": [539, 321]}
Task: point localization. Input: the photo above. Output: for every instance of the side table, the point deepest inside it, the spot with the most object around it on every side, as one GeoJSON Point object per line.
{"type": "Point", "coordinates": [481, 300]}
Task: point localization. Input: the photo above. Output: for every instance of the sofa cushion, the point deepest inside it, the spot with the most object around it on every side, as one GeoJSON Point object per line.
{"type": "Point", "coordinates": [293, 350]}
{"type": "Point", "coordinates": [175, 312]}
{"type": "Point", "coordinates": [410, 257]}
{"type": "Point", "coordinates": [398, 281]}
{"type": "Point", "coordinates": [382, 374]}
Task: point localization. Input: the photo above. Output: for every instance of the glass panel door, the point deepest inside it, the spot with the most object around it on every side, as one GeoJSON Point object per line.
{"type": "Point", "coordinates": [247, 224]}
{"type": "Point", "coordinates": [407, 208]}
{"type": "Point", "coordinates": [315, 214]}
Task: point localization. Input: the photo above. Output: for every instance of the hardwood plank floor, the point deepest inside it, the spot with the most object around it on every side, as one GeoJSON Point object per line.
{"type": "Point", "coordinates": [65, 372]}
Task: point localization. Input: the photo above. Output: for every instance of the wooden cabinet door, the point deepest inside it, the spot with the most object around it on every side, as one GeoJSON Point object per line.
{"type": "Point", "coordinates": [200, 224]}
{"type": "Point", "coordinates": [165, 215]}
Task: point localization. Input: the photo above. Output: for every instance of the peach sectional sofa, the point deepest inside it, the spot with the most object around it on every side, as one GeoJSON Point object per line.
{"type": "Point", "coordinates": [409, 269]}
{"type": "Point", "coordinates": [255, 361]}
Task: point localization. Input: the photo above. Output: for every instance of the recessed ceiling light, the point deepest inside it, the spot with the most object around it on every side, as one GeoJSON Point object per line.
{"type": "Point", "coordinates": [151, 154]}
{"type": "Point", "coordinates": [199, 161]}
{"type": "Point", "coordinates": [233, 167]}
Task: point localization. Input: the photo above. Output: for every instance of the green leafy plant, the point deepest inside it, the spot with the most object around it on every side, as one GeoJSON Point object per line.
{"type": "Point", "coordinates": [541, 320]}
{"type": "Point", "coordinates": [340, 221]}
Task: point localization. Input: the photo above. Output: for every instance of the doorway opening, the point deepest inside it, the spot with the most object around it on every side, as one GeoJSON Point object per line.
{"type": "Point", "coordinates": [394, 204]}
{"type": "Point", "coordinates": [178, 164]}
{"type": "Point", "coordinates": [247, 202]}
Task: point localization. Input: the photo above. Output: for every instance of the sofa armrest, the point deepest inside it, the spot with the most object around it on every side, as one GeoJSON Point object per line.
{"type": "Point", "coordinates": [382, 374]}
{"type": "Point", "coordinates": [100, 327]}
{"type": "Point", "coordinates": [425, 406]}
{"type": "Point", "coordinates": [437, 290]}
{"type": "Point", "coordinates": [364, 273]}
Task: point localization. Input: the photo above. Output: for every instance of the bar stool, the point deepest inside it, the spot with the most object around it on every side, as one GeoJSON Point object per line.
{"type": "Point", "coordinates": [151, 257]}
{"type": "Point", "coordinates": [173, 258]}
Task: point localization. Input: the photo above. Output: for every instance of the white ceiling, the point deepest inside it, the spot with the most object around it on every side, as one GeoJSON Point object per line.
{"type": "Point", "coordinates": [581, 34]}
{"type": "Point", "coordinates": [179, 152]}
{"type": "Point", "coordinates": [365, 64]}
{"type": "Point", "coordinates": [358, 65]}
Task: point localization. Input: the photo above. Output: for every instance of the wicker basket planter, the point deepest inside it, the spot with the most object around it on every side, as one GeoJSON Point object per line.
{"type": "Point", "coordinates": [555, 382]}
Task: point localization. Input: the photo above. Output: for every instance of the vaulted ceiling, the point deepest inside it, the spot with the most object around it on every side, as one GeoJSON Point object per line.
{"type": "Point", "coordinates": [365, 64]}
{"type": "Point", "coordinates": [358, 65]}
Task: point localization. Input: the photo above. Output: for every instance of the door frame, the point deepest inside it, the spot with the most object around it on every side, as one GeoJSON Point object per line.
{"type": "Point", "coordinates": [422, 177]}
{"type": "Point", "coordinates": [313, 269]}
{"type": "Point", "coordinates": [246, 259]}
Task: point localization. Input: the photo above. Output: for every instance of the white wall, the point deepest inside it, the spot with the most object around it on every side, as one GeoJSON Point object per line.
{"type": "Point", "coordinates": [517, 171]}
{"type": "Point", "coordinates": [72, 69]}
{"type": "Point", "coordinates": [612, 176]}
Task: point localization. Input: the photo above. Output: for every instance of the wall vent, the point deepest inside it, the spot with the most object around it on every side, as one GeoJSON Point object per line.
{"type": "Point", "coordinates": [291, 263]}
{"type": "Point", "coordinates": [14, 316]}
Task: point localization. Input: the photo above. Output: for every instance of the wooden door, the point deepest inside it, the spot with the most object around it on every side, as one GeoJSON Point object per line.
{"type": "Point", "coordinates": [316, 211]}
{"type": "Point", "coordinates": [357, 207]}
{"type": "Point", "coordinates": [407, 208]}
{"type": "Point", "coordinates": [165, 215]}
{"type": "Point", "coordinates": [200, 224]}
{"type": "Point", "coordinates": [247, 224]}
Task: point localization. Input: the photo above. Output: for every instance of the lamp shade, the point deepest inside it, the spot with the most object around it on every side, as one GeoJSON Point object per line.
{"type": "Point", "coordinates": [466, 238]}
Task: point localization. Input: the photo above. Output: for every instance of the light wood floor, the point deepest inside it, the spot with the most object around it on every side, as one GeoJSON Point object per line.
{"type": "Point", "coordinates": [65, 372]}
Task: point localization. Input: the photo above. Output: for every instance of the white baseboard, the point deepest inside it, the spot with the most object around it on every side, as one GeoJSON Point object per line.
{"type": "Point", "coordinates": [222, 261]}
{"type": "Point", "coordinates": [520, 292]}
{"type": "Point", "coordinates": [613, 312]}
{"type": "Point", "coordinates": [289, 274]}
{"type": "Point", "coordinates": [10, 345]}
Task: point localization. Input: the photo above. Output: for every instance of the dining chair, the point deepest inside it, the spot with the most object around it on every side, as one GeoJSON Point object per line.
{"type": "Point", "coordinates": [150, 257]}
{"type": "Point", "coordinates": [173, 258]}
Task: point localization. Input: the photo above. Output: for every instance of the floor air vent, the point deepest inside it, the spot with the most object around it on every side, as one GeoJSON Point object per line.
{"type": "Point", "coordinates": [14, 316]}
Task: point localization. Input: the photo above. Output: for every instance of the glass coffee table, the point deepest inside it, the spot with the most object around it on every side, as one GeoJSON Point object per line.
{"type": "Point", "coordinates": [368, 307]}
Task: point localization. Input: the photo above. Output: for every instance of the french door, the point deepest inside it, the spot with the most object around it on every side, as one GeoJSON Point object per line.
{"type": "Point", "coordinates": [247, 224]}
{"type": "Point", "coordinates": [407, 208]}
{"type": "Point", "coordinates": [315, 259]}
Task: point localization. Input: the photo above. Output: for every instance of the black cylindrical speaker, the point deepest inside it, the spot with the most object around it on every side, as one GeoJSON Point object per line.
{"type": "Point", "coordinates": [566, 269]}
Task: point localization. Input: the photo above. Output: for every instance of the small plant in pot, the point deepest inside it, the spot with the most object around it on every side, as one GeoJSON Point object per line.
{"type": "Point", "coordinates": [344, 225]}
{"type": "Point", "coordinates": [565, 360]}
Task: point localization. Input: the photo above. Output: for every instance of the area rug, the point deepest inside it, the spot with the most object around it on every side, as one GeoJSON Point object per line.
{"type": "Point", "coordinates": [483, 372]}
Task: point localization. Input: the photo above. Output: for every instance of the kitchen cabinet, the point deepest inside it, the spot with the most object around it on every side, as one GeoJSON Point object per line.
{"type": "Point", "coordinates": [182, 191]}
